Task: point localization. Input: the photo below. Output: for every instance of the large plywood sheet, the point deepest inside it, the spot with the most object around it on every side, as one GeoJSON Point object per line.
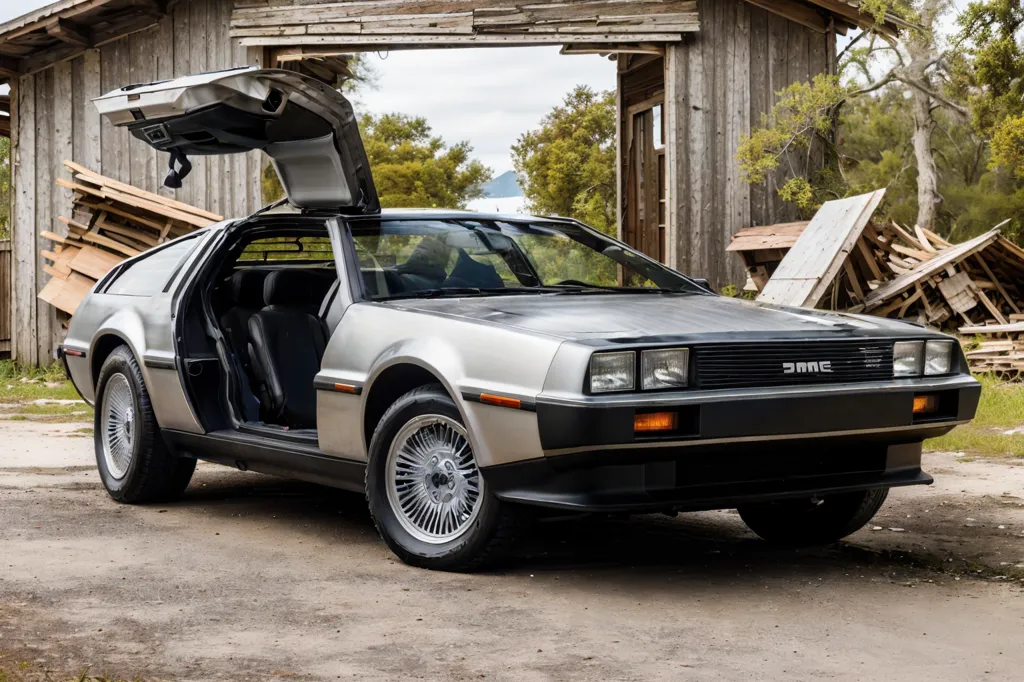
{"type": "Point", "coordinates": [815, 260]}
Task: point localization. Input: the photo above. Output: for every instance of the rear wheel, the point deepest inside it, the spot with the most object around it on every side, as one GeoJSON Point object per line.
{"type": "Point", "coordinates": [814, 521]}
{"type": "Point", "coordinates": [425, 492]}
{"type": "Point", "coordinates": [135, 464]}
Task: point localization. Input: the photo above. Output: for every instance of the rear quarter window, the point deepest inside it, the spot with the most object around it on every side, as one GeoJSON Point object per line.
{"type": "Point", "coordinates": [148, 275]}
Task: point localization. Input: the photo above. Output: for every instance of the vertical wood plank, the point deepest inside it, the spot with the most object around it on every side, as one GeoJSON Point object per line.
{"type": "Point", "coordinates": [163, 69]}
{"type": "Point", "coordinates": [697, 145]}
{"type": "Point", "coordinates": [45, 314]}
{"type": "Point", "coordinates": [215, 47]}
{"type": "Point", "coordinates": [90, 131]}
{"type": "Point", "coordinates": [141, 49]}
{"type": "Point", "coordinates": [739, 114]}
{"type": "Point", "coordinates": [198, 63]}
{"type": "Point", "coordinates": [759, 90]}
{"type": "Point", "coordinates": [675, 156]}
{"type": "Point", "coordinates": [23, 341]}
{"type": "Point", "coordinates": [239, 162]}
{"type": "Point", "coordinates": [60, 198]}
{"type": "Point", "coordinates": [777, 51]}
{"type": "Point", "coordinates": [255, 56]}
{"type": "Point", "coordinates": [181, 17]}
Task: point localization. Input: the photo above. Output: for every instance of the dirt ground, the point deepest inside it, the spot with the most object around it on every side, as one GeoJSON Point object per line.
{"type": "Point", "coordinates": [256, 578]}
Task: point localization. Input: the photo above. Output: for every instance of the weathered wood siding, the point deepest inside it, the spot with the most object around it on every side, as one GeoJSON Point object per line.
{"type": "Point", "coordinates": [5, 296]}
{"type": "Point", "coordinates": [53, 120]}
{"type": "Point", "coordinates": [718, 83]}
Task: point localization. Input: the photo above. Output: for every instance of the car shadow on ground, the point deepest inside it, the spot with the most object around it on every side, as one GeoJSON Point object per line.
{"type": "Point", "coordinates": [710, 543]}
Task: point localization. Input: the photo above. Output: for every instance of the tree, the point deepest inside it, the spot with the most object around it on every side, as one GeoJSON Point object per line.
{"type": "Point", "coordinates": [5, 187]}
{"type": "Point", "coordinates": [414, 168]}
{"type": "Point", "coordinates": [990, 76]}
{"type": "Point", "coordinates": [918, 64]}
{"type": "Point", "coordinates": [567, 165]}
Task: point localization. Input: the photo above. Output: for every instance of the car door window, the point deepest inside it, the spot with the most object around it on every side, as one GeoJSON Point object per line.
{"type": "Point", "coordinates": [148, 275]}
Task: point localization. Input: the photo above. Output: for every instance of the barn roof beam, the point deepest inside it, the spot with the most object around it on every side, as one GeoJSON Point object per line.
{"type": "Point", "coordinates": [67, 31]}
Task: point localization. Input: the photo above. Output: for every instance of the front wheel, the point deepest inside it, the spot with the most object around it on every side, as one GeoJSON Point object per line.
{"type": "Point", "coordinates": [813, 521]}
{"type": "Point", "coordinates": [426, 495]}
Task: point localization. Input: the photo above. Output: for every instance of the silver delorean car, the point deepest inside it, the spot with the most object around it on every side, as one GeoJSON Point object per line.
{"type": "Point", "coordinates": [461, 369]}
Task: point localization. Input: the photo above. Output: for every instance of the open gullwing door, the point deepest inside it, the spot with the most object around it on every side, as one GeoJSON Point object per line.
{"type": "Point", "coordinates": [307, 128]}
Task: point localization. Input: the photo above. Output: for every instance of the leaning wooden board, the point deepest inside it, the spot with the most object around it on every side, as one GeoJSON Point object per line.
{"type": "Point", "coordinates": [110, 221]}
{"type": "Point", "coordinates": [813, 263]}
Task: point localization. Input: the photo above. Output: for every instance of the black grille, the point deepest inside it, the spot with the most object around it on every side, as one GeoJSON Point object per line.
{"type": "Point", "coordinates": [751, 365]}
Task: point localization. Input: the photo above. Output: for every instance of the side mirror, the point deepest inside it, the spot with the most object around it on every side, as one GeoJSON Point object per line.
{"type": "Point", "coordinates": [704, 283]}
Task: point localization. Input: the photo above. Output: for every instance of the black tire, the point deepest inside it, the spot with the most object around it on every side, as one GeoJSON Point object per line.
{"type": "Point", "coordinates": [154, 473]}
{"type": "Point", "coordinates": [489, 534]}
{"type": "Point", "coordinates": [803, 522]}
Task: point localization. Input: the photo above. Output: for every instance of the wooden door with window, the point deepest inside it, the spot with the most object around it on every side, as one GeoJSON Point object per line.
{"type": "Point", "coordinates": [644, 152]}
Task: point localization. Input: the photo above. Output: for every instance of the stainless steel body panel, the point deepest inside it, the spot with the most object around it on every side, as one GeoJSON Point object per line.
{"type": "Point", "coordinates": [464, 356]}
{"type": "Point", "coordinates": [146, 325]}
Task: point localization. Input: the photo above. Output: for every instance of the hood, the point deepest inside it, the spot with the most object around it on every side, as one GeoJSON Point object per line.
{"type": "Point", "coordinates": [653, 317]}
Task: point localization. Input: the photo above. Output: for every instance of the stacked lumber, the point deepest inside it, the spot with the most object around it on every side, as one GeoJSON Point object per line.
{"type": "Point", "coordinates": [845, 260]}
{"type": "Point", "coordinates": [109, 221]}
{"type": "Point", "coordinates": [996, 348]}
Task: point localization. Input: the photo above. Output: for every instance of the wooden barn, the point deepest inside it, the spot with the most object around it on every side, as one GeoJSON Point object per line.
{"type": "Point", "coordinates": [693, 76]}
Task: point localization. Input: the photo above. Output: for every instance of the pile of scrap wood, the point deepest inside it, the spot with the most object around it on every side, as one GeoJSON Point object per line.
{"type": "Point", "coordinates": [109, 221]}
{"type": "Point", "coordinates": [844, 259]}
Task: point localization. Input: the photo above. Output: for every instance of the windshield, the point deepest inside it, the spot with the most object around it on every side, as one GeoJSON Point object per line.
{"type": "Point", "coordinates": [423, 258]}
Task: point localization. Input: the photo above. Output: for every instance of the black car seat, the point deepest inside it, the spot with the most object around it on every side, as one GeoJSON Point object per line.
{"type": "Point", "coordinates": [245, 291]}
{"type": "Point", "coordinates": [469, 272]}
{"type": "Point", "coordinates": [423, 270]}
{"type": "Point", "coordinates": [286, 344]}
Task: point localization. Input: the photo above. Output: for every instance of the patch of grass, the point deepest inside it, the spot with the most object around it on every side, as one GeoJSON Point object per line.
{"type": "Point", "coordinates": [19, 386]}
{"type": "Point", "coordinates": [1001, 408]}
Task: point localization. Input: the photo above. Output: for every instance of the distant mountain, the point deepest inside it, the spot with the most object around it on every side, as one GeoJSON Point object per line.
{"type": "Point", "coordinates": [505, 185]}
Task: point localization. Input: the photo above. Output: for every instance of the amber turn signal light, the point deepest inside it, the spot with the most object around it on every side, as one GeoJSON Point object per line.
{"type": "Point", "coordinates": [500, 400]}
{"type": "Point", "coordinates": [655, 421]}
{"type": "Point", "coordinates": [926, 404]}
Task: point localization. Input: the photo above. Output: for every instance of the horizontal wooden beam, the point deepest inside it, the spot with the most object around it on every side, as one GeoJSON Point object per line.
{"type": "Point", "coordinates": [796, 12]}
{"type": "Point", "coordinates": [628, 48]}
{"type": "Point", "coordinates": [358, 43]}
{"type": "Point", "coordinates": [69, 32]}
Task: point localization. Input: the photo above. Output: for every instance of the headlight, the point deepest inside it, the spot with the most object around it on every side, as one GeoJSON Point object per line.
{"type": "Point", "coordinates": [907, 358]}
{"type": "Point", "coordinates": [938, 357]}
{"type": "Point", "coordinates": [668, 368]}
{"type": "Point", "coordinates": [612, 372]}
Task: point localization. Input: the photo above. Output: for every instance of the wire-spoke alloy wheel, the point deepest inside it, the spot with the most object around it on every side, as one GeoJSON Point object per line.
{"type": "Point", "coordinates": [426, 491]}
{"type": "Point", "coordinates": [119, 425]}
{"type": "Point", "coordinates": [433, 484]}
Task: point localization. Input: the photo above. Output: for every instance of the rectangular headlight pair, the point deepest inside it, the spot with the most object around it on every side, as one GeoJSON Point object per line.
{"type": "Point", "coordinates": [922, 358]}
{"type": "Point", "coordinates": [659, 369]}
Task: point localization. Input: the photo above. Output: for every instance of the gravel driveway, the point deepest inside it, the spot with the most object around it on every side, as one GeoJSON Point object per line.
{"type": "Point", "coordinates": [252, 577]}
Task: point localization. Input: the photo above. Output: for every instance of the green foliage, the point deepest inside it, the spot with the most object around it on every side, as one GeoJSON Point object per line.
{"type": "Point", "coordinates": [567, 165]}
{"type": "Point", "coordinates": [803, 111]}
{"type": "Point", "coordinates": [1008, 145]}
{"type": "Point", "coordinates": [5, 188]}
{"type": "Point", "coordinates": [413, 168]}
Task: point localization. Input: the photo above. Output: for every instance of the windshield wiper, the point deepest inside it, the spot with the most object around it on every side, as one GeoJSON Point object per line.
{"type": "Point", "coordinates": [598, 289]}
{"type": "Point", "coordinates": [468, 291]}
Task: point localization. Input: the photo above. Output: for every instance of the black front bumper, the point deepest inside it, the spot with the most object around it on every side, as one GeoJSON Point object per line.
{"type": "Point", "coordinates": [728, 452]}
